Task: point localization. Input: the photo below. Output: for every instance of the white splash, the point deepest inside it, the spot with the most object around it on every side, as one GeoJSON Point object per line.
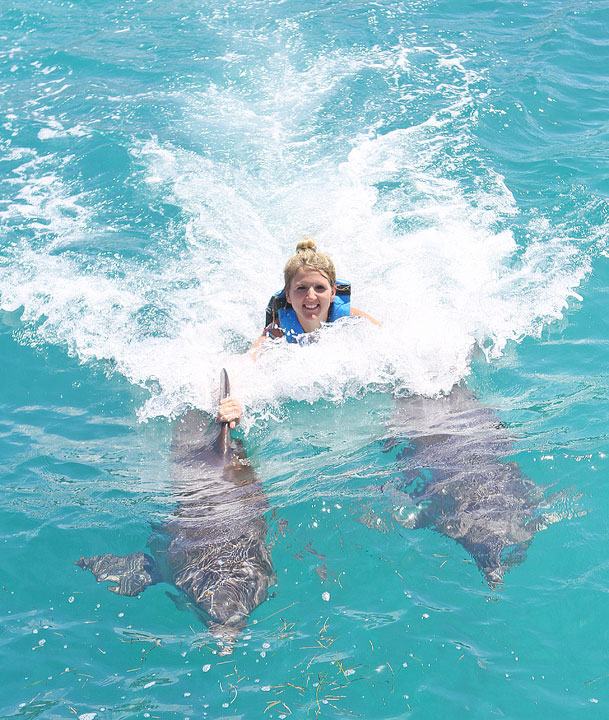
{"type": "Point", "coordinates": [431, 252]}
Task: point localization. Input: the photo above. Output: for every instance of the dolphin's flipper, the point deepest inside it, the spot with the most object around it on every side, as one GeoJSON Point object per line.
{"type": "Point", "coordinates": [133, 573]}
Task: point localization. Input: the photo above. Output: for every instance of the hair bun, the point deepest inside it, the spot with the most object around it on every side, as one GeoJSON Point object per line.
{"type": "Point", "coordinates": [306, 244]}
{"type": "Point", "coordinates": [307, 256]}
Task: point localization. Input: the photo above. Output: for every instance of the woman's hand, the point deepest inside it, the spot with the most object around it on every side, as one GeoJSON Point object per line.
{"type": "Point", "coordinates": [229, 411]}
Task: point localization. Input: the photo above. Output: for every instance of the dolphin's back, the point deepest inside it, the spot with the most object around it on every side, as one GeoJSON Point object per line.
{"type": "Point", "coordinates": [197, 438]}
{"type": "Point", "coordinates": [456, 479]}
{"type": "Point", "coordinates": [216, 549]}
{"type": "Point", "coordinates": [213, 546]}
{"type": "Point", "coordinates": [219, 495]}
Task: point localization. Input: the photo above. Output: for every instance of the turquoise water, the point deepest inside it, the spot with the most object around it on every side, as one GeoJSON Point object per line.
{"type": "Point", "coordinates": [159, 162]}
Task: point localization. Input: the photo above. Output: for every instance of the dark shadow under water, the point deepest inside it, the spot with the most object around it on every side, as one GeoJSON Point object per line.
{"type": "Point", "coordinates": [214, 546]}
{"type": "Point", "coordinates": [452, 476]}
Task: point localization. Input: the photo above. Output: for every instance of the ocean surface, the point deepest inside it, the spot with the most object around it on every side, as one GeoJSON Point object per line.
{"type": "Point", "coordinates": [159, 161]}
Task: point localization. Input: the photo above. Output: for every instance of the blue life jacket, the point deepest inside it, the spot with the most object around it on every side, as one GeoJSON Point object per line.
{"type": "Point", "coordinates": [281, 314]}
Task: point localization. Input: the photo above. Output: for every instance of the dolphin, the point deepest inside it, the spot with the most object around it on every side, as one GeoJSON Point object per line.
{"type": "Point", "coordinates": [213, 548]}
{"type": "Point", "coordinates": [451, 475]}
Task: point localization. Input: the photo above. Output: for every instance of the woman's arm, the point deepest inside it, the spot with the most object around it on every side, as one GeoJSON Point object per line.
{"type": "Point", "coordinates": [361, 313]}
{"type": "Point", "coordinates": [230, 409]}
{"type": "Point", "coordinates": [273, 331]}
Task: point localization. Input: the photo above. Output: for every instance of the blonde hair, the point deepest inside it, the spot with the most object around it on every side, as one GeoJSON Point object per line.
{"type": "Point", "coordinates": [307, 256]}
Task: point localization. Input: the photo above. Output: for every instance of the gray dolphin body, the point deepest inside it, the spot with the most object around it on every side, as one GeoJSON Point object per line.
{"type": "Point", "coordinates": [452, 478]}
{"type": "Point", "coordinates": [214, 547]}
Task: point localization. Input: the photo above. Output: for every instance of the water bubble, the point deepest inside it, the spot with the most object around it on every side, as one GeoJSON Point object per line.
{"type": "Point", "coordinates": [325, 596]}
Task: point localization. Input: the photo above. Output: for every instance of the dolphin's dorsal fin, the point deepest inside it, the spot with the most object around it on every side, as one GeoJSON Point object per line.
{"type": "Point", "coordinates": [224, 437]}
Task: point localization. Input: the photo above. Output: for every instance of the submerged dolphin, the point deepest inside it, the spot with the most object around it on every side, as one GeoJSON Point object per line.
{"type": "Point", "coordinates": [214, 547]}
{"type": "Point", "coordinates": [452, 478]}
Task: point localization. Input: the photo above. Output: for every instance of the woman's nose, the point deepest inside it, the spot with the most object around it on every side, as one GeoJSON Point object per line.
{"type": "Point", "coordinates": [310, 293]}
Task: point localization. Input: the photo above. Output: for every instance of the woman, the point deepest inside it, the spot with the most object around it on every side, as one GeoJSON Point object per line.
{"type": "Point", "coordinates": [311, 296]}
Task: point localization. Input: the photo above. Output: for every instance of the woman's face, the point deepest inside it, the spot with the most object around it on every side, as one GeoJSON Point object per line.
{"type": "Point", "coordinates": [310, 294]}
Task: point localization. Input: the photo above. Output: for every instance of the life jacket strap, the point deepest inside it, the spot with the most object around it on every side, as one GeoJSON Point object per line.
{"type": "Point", "coordinates": [279, 302]}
